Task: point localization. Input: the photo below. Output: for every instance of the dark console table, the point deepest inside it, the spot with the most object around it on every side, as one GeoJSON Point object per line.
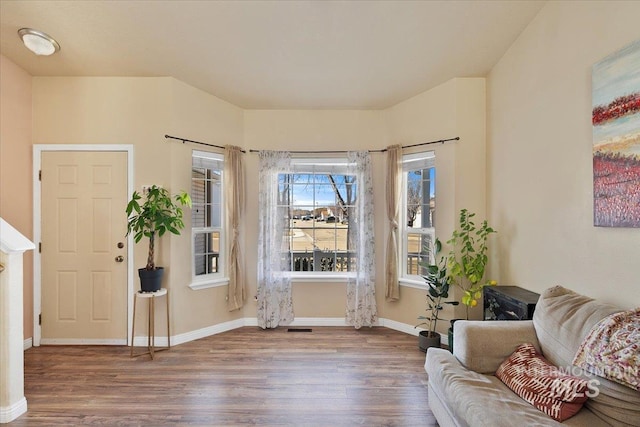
{"type": "Point", "coordinates": [509, 303]}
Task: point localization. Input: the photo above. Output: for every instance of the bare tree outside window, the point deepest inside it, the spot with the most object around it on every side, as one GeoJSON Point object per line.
{"type": "Point", "coordinates": [414, 198]}
{"type": "Point", "coordinates": [317, 207]}
{"type": "Point", "coordinates": [206, 214]}
{"type": "Point", "coordinates": [419, 211]}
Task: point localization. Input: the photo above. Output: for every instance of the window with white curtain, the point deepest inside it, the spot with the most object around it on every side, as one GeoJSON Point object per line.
{"type": "Point", "coordinates": [417, 214]}
{"type": "Point", "coordinates": [317, 199]}
{"type": "Point", "coordinates": [207, 219]}
{"type": "Point", "coordinates": [316, 219]}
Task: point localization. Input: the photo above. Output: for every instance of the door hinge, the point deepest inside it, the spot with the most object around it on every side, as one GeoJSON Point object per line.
{"type": "Point", "coordinates": [40, 319]}
{"type": "Point", "coordinates": [40, 247]}
{"type": "Point", "coordinates": [40, 175]}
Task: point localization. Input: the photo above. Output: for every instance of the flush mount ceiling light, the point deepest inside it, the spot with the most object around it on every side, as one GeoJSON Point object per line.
{"type": "Point", "coordinates": [38, 42]}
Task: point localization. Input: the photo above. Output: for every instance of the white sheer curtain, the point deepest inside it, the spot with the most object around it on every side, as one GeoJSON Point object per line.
{"type": "Point", "coordinates": [275, 306]}
{"type": "Point", "coordinates": [361, 293]}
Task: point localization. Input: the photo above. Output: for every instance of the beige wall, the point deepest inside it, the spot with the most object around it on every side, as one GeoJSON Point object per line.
{"type": "Point", "coordinates": [198, 116]}
{"type": "Point", "coordinates": [110, 110]}
{"type": "Point", "coordinates": [15, 166]}
{"type": "Point", "coordinates": [537, 158]}
{"type": "Point", "coordinates": [540, 147]}
{"type": "Point", "coordinates": [312, 130]}
{"type": "Point", "coordinates": [455, 108]}
{"type": "Point", "coordinates": [140, 111]}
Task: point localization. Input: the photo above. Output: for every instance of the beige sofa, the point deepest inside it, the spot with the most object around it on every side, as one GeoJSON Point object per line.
{"type": "Point", "coordinates": [463, 390]}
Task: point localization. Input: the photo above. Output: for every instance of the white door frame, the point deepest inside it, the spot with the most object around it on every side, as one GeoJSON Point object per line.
{"type": "Point", "coordinates": [38, 149]}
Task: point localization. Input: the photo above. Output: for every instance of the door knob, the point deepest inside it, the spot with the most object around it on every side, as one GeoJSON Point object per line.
{"type": "Point", "coordinates": [119, 258]}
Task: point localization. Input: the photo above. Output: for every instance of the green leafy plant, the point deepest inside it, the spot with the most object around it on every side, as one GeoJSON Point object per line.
{"type": "Point", "coordinates": [438, 282]}
{"type": "Point", "coordinates": [155, 216]}
{"type": "Point", "coordinates": [468, 258]}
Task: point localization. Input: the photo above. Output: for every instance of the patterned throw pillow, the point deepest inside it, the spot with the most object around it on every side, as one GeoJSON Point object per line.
{"type": "Point", "coordinates": [543, 385]}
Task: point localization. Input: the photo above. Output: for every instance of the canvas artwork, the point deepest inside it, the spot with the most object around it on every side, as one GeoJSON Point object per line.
{"type": "Point", "coordinates": [616, 139]}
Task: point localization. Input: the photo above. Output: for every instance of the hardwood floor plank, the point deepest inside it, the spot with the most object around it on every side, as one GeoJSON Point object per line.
{"type": "Point", "coordinates": [331, 376]}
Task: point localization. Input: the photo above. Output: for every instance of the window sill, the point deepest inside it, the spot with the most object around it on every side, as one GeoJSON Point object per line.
{"type": "Point", "coordinates": [323, 277]}
{"type": "Point", "coordinates": [209, 283]}
{"type": "Point", "coordinates": [412, 283]}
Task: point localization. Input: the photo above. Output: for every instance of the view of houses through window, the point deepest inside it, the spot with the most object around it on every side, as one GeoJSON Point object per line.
{"type": "Point", "coordinates": [317, 203]}
{"type": "Point", "coordinates": [316, 200]}
{"type": "Point", "coordinates": [419, 207]}
{"type": "Point", "coordinates": [206, 213]}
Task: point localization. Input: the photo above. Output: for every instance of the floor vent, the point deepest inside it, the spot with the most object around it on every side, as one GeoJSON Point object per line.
{"type": "Point", "coordinates": [299, 330]}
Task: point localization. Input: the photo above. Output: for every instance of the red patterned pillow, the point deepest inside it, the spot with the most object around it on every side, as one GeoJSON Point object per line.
{"type": "Point", "coordinates": [543, 385]}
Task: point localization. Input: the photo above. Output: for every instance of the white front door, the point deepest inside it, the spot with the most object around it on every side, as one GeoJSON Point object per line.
{"type": "Point", "coordinates": [84, 249]}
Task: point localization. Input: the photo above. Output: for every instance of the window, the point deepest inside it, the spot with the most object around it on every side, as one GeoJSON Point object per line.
{"type": "Point", "coordinates": [317, 199]}
{"type": "Point", "coordinates": [417, 214]}
{"type": "Point", "coordinates": [207, 220]}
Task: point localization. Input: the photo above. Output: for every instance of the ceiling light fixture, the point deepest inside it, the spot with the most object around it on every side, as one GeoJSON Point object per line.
{"type": "Point", "coordinates": [38, 42]}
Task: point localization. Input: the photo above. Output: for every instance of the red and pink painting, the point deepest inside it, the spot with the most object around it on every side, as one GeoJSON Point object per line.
{"type": "Point", "coordinates": [616, 139]}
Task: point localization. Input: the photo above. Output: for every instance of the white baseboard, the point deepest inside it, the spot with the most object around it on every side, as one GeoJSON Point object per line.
{"type": "Point", "coordinates": [161, 341]}
{"type": "Point", "coordinates": [141, 341]}
{"type": "Point", "coordinates": [209, 330]}
{"type": "Point", "coordinates": [74, 341]}
{"type": "Point", "coordinates": [398, 326]}
{"type": "Point", "coordinates": [250, 321]}
{"type": "Point", "coordinates": [27, 344]}
{"type": "Point", "coordinates": [10, 413]}
{"type": "Point", "coordinates": [411, 330]}
{"type": "Point", "coordinates": [318, 321]}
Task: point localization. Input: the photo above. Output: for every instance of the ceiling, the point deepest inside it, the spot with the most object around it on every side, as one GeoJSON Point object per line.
{"type": "Point", "coordinates": [273, 54]}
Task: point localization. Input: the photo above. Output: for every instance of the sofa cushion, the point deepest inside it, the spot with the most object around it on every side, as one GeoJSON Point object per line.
{"type": "Point", "coordinates": [482, 345]}
{"type": "Point", "coordinates": [562, 319]}
{"type": "Point", "coordinates": [483, 400]}
{"type": "Point", "coordinates": [543, 385]}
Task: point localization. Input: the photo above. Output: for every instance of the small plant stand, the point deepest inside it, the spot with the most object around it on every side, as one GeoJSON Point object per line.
{"type": "Point", "coordinates": [151, 332]}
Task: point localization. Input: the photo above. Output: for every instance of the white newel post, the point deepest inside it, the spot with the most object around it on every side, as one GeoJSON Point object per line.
{"type": "Point", "coordinates": [12, 247]}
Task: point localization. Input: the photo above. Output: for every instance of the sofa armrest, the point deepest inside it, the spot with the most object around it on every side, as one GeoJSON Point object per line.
{"type": "Point", "coordinates": [482, 346]}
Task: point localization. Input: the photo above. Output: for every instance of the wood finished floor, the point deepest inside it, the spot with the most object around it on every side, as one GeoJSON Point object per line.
{"type": "Point", "coordinates": [330, 377]}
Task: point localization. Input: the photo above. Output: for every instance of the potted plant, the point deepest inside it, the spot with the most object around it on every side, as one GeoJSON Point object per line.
{"type": "Point", "coordinates": [154, 217]}
{"type": "Point", "coordinates": [467, 261]}
{"type": "Point", "coordinates": [438, 283]}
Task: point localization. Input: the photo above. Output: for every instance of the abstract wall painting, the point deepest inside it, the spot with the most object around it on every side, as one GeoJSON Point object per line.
{"type": "Point", "coordinates": [616, 139]}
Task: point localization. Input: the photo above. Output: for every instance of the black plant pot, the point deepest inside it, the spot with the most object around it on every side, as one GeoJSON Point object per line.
{"type": "Point", "coordinates": [425, 340]}
{"type": "Point", "coordinates": [150, 280]}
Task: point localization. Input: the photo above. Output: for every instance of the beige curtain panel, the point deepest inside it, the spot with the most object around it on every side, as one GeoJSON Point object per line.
{"type": "Point", "coordinates": [234, 197]}
{"type": "Point", "coordinates": [394, 181]}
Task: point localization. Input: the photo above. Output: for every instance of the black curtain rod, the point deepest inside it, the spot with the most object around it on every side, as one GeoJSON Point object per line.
{"type": "Point", "coordinates": [439, 141]}
{"type": "Point", "coordinates": [195, 142]}
{"type": "Point", "coordinates": [382, 150]}
{"type": "Point", "coordinates": [319, 151]}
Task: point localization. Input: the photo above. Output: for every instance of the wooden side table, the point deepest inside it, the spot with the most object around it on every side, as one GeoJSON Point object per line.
{"type": "Point", "coordinates": [151, 332]}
